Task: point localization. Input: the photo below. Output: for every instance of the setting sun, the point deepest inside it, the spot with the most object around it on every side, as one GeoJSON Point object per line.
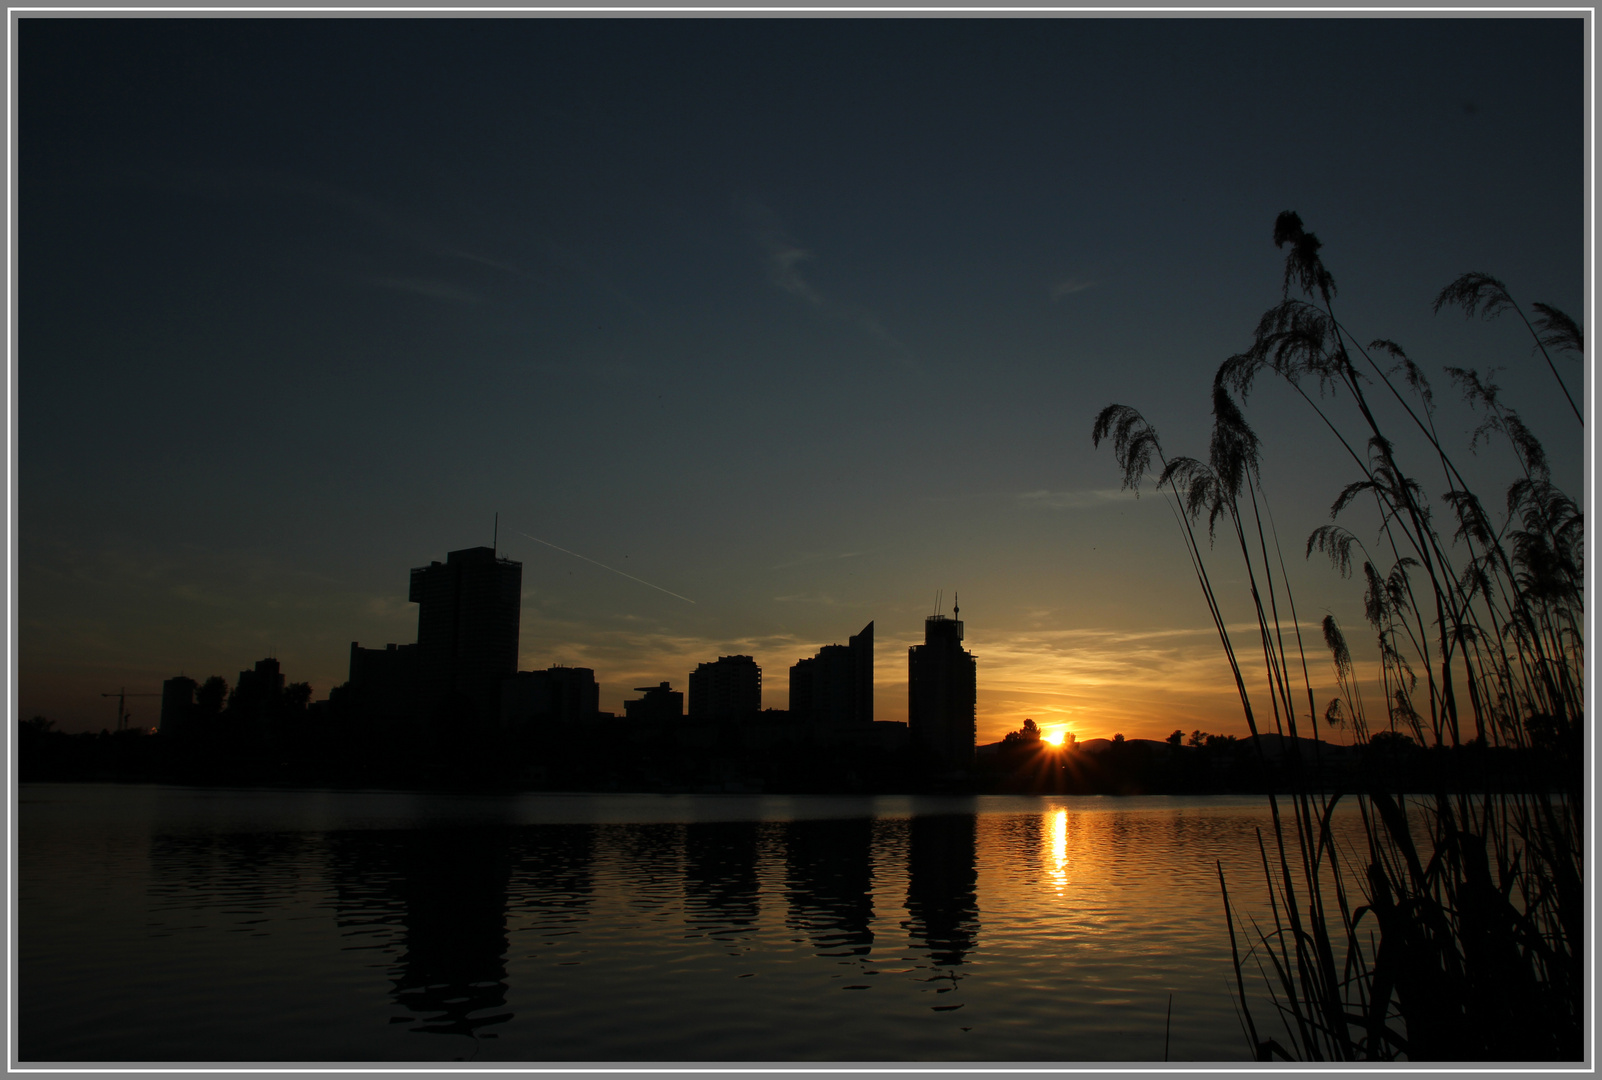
{"type": "Point", "coordinates": [1056, 737]}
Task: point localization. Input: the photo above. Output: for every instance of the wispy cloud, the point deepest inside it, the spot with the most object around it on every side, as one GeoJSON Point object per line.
{"type": "Point", "coordinates": [785, 257]}
{"type": "Point", "coordinates": [627, 657]}
{"type": "Point", "coordinates": [607, 371]}
{"type": "Point", "coordinates": [784, 261]}
{"type": "Point", "coordinates": [1069, 286]}
{"type": "Point", "coordinates": [263, 184]}
{"type": "Point", "coordinates": [433, 289]}
{"type": "Point", "coordinates": [1098, 680]}
{"type": "Point", "coordinates": [483, 260]}
{"type": "Point", "coordinates": [1073, 500]}
{"type": "Point", "coordinates": [808, 598]}
{"type": "Point", "coordinates": [402, 231]}
{"type": "Point", "coordinates": [812, 557]}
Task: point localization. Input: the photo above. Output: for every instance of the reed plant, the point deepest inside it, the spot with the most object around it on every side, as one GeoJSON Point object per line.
{"type": "Point", "coordinates": [1452, 929]}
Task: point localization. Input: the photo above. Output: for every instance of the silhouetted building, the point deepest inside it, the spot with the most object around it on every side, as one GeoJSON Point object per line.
{"type": "Point", "coordinates": [802, 674]}
{"type": "Point", "coordinates": [557, 695]}
{"type": "Point", "coordinates": [726, 689]}
{"type": "Point", "coordinates": [835, 688]}
{"type": "Point", "coordinates": [661, 705]}
{"type": "Point", "coordinates": [177, 705]}
{"type": "Point", "coordinates": [384, 681]}
{"type": "Point", "coordinates": [264, 683]}
{"type": "Point", "coordinates": [257, 700]}
{"type": "Point", "coordinates": [942, 689]}
{"type": "Point", "coordinates": [468, 610]}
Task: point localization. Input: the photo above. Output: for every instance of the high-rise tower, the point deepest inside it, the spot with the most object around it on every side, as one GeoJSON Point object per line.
{"type": "Point", "coordinates": [942, 689]}
{"type": "Point", "coordinates": [468, 610]}
{"type": "Point", "coordinates": [835, 688]}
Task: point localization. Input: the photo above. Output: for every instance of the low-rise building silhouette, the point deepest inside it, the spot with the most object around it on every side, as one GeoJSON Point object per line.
{"type": "Point", "coordinates": [661, 704]}
{"type": "Point", "coordinates": [565, 696]}
{"type": "Point", "coordinates": [264, 682]}
{"type": "Point", "coordinates": [257, 695]}
{"type": "Point", "coordinates": [384, 681]}
{"type": "Point", "coordinates": [729, 688]}
{"type": "Point", "coordinates": [942, 681]}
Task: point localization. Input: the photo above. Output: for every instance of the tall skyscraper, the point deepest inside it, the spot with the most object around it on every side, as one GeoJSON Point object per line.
{"type": "Point", "coordinates": [729, 688]}
{"type": "Point", "coordinates": [942, 688]}
{"type": "Point", "coordinates": [468, 610]}
{"type": "Point", "coordinates": [835, 688]}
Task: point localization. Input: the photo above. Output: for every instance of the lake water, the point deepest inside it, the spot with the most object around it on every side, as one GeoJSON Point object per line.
{"type": "Point", "coordinates": [208, 925]}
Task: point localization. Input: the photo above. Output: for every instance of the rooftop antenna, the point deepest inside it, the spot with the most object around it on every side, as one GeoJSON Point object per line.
{"type": "Point", "coordinates": [955, 610]}
{"type": "Point", "coordinates": [937, 602]}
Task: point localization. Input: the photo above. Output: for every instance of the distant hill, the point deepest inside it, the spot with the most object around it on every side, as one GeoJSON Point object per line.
{"type": "Point", "coordinates": [1274, 747]}
{"type": "Point", "coordinates": [1097, 746]}
{"type": "Point", "coordinates": [1152, 766]}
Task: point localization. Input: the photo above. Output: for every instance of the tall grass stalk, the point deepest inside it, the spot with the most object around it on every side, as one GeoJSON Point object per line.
{"type": "Point", "coordinates": [1455, 931]}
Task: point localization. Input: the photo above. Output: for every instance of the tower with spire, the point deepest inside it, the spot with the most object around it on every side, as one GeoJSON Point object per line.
{"type": "Point", "coordinates": [942, 691]}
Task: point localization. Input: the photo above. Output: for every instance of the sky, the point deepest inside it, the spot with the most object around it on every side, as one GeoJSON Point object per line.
{"type": "Point", "coordinates": [797, 322]}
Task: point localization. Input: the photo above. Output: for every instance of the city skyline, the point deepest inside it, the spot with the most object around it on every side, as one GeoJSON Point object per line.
{"type": "Point", "coordinates": [764, 329]}
{"type": "Point", "coordinates": [467, 643]}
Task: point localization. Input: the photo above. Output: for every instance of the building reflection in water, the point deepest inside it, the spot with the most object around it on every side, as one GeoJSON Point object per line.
{"type": "Point", "coordinates": [720, 878]}
{"type": "Point", "coordinates": [439, 907]}
{"type": "Point", "coordinates": [829, 883]}
{"type": "Point", "coordinates": [452, 975]}
{"type": "Point", "coordinates": [648, 857]}
{"type": "Point", "coordinates": [437, 900]}
{"type": "Point", "coordinates": [364, 868]}
{"type": "Point", "coordinates": [942, 881]}
{"type": "Point", "coordinates": [554, 880]}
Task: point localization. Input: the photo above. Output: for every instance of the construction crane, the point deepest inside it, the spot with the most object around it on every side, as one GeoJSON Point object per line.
{"type": "Point", "coordinates": [122, 697]}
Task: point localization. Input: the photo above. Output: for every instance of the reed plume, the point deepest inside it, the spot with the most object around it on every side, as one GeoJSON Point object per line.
{"type": "Point", "coordinates": [1454, 930]}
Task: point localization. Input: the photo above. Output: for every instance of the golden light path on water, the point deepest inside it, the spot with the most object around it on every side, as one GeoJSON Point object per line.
{"type": "Point", "coordinates": [1057, 839]}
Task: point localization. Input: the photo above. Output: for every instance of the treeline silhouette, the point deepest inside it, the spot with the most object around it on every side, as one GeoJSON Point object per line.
{"type": "Point", "coordinates": [1208, 764]}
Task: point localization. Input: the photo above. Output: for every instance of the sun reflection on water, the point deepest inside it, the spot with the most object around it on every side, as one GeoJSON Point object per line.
{"type": "Point", "coordinates": [1057, 840]}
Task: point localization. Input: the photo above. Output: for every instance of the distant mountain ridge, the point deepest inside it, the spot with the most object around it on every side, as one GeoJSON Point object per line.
{"type": "Point", "coordinates": [1274, 746]}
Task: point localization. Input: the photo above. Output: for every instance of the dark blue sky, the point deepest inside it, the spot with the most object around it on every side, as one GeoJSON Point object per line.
{"type": "Point", "coordinates": [802, 319]}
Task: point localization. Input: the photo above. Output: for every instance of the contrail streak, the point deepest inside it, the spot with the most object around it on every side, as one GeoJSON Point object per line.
{"type": "Point", "coordinates": [603, 566]}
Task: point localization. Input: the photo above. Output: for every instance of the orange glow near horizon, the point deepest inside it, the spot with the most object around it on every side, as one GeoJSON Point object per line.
{"type": "Point", "coordinates": [1056, 737]}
